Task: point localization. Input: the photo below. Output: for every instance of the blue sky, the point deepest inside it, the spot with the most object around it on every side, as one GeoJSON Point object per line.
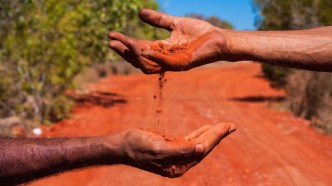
{"type": "Point", "coordinates": [238, 12]}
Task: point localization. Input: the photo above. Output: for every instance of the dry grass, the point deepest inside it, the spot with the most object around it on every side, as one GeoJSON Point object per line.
{"type": "Point", "coordinates": [310, 96]}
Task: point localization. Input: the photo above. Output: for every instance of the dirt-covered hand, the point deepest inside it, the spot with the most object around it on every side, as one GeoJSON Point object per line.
{"type": "Point", "coordinates": [192, 43]}
{"type": "Point", "coordinates": [171, 157]}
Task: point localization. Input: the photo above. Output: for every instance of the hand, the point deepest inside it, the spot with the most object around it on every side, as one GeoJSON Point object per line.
{"type": "Point", "coordinates": [192, 43]}
{"type": "Point", "coordinates": [171, 157]}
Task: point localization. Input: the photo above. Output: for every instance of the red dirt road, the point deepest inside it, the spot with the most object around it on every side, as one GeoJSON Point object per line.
{"type": "Point", "coordinates": [270, 147]}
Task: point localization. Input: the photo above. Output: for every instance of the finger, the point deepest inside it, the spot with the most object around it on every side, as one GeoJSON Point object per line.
{"type": "Point", "coordinates": [120, 37]}
{"type": "Point", "coordinates": [198, 132]}
{"type": "Point", "coordinates": [118, 47]}
{"type": "Point", "coordinates": [127, 41]}
{"type": "Point", "coordinates": [212, 137]}
{"type": "Point", "coordinates": [157, 19]}
{"type": "Point", "coordinates": [122, 51]}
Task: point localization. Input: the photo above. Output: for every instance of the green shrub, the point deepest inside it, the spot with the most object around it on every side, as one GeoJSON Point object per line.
{"type": "Point", "coordinates": [277, 76]}
{"type": "Point", "coordinates": [45, 44]}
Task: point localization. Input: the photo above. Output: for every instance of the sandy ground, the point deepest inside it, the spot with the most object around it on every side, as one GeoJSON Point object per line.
{"type": "Point", "coordinates": [270, 147]}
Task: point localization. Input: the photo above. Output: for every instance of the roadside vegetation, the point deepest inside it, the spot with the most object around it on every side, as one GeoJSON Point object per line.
{"type": "Point", "coordinates": [309, 93]}
{"type": "Point", "coordinates": [45, 44]}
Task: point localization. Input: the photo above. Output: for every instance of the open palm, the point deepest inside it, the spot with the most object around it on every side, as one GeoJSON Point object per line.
{"type": "Point", "coordinates": [171, 157]}
{"type": "Point", "coordinates": [200, 40]}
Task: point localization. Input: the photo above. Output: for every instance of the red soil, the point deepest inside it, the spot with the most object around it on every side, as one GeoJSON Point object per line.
{"type": "Point", "coordinates": [159, 97]}
{"type": "Point", "coordinates": [169, 50]}
{"type": "Point", "coordinates": [270, 147]}
{"type": "Point", "coordinates": [166, 138]}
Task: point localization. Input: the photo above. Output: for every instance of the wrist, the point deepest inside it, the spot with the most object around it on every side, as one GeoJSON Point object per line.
{"type": "Point", "coordinates": [113, 145]}
{"type": "Point", "coordinates": [236, 46]}
{"type": "Point", "coordinates": [124, 150]}
{"type": "Point", "coordinates": [224, 43]}
{"type": "Point", "coordinates": [211, 47]}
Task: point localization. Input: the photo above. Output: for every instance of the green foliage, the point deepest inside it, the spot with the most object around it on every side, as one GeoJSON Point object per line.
{"type": "Point", "coordinates": [45, 44]}
{"type": "Point", "coordinates": [296, 14]}
{"type": "Point", "coordinates": [276, 75]}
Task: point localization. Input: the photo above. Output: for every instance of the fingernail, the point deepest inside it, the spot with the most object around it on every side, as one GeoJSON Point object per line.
{"type": "Point", "coordinates": [199, 148]}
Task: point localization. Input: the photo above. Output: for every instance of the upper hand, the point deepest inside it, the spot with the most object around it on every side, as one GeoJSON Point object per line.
{"type": "Point", "coordinates": [171, 157]}
{"type": "Point", "coordinates": [192, 43]}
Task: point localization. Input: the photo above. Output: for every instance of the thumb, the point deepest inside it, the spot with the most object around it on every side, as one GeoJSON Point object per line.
{"type": "Point", "coordinates": [157, 19]}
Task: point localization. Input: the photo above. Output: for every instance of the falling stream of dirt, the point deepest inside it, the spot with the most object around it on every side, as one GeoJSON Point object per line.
{"type": "Point", "coordinates": [165, 50]}
{"type": "Point", "coordinates": [159, 98]}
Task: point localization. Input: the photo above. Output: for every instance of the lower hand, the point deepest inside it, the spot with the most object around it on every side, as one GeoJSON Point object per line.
{"type": "Point", "coordinates": [171, 157]}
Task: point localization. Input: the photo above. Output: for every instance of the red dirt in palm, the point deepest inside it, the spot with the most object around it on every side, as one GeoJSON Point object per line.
{"type": "Point", "coordinates": [270, 147]}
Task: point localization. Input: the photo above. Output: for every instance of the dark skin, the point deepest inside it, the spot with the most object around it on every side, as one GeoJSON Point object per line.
{"type": "Point", "coordinates": [23, 160]}
{"type": "Point", "coordinates": [305, 49]}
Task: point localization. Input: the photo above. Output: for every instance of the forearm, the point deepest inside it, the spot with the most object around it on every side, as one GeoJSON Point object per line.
{"type": "Point", "coordinates": [306, 49]}
{"type": "Point", "coordinates": [24, 160]}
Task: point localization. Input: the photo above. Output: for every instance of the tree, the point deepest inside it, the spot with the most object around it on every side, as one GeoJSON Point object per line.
{"type": "Point", "coordinates": [296, 14]}
{"type": "Point", "coordinates": [44, 44]}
